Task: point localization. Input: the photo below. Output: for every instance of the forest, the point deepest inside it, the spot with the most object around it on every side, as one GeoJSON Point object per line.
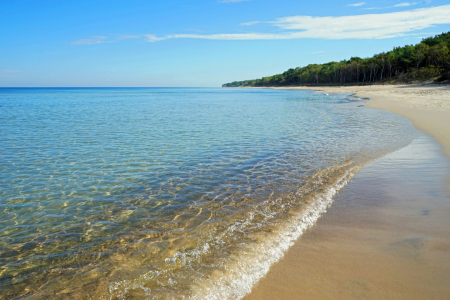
{"type": "Point", "coordinates": [428, 60]}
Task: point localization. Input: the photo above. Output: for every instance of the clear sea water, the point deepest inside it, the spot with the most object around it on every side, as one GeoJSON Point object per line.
{"type": "Point", "coordinates": [169, 193]}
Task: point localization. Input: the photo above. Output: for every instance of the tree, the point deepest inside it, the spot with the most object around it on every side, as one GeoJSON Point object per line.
{"type": "Point", "coordinates": [430, 58]}
{"type": "Point", "coordinates": [421, 50]}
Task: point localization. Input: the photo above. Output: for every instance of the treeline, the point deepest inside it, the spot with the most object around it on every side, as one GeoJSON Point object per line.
{"type": "Point", "coordinates": [430, 59]}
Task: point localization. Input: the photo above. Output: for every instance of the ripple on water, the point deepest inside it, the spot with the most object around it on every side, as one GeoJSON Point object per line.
{"type": "Point", "coordinates": [169, 193]}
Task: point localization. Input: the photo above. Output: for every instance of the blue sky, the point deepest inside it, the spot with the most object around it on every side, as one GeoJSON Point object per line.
{"type": "Point", "coordinates": [197, 43]}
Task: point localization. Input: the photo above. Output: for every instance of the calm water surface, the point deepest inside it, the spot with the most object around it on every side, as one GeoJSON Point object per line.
{"type": "Point", "coordinates": [169, 192]}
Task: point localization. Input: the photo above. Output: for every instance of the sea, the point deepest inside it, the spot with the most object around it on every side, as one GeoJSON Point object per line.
{"type": "Point", "coordinates": [170, 193]}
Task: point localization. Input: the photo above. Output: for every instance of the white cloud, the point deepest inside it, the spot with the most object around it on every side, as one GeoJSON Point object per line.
{"type": "Point", "coordinates": [153, 38]}
{"type": "Point", "coordinates": [404, 4]}
{"type": "Point", "coordinates": [91, 41]}
{"type": "Point", "coordinates": [250, 23]}
{"type": "Point", "coordinates": [369, 26]}
{"type": "Point", "coordinates": [357, 4]}
{"type": "Point", "coordinates": [104, 39]}
{"type": "Point", "coordinates": [127, 37]}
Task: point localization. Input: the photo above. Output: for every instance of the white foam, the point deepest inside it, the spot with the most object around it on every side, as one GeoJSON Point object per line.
{"type": "Point", "coordinates": [239, 276]}
{"type": "Point", "coordinates": [242, 269]}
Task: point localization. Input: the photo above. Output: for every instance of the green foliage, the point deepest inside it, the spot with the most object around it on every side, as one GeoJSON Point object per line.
{"type": "Point", "coordinates": [427, 60]}
{"type": "Point", "coordinates": [428, 72]}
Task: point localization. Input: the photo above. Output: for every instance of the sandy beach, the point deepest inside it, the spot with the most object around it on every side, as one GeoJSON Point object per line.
{"type": "Point", "coordinates": [387, 234]}
{"type": "Point", "coordinates": [385, 237]}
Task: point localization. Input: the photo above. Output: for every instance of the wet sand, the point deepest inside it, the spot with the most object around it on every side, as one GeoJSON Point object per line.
{"type": "Point", "coordinates": [387, 236]}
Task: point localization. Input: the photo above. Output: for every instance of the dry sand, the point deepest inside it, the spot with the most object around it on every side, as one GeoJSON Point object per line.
{"type": "Point", "coordinates": [388, 234]}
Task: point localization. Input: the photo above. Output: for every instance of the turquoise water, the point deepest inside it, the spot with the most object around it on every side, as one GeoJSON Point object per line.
{"type": "Point", "coordinates": [122, 193]}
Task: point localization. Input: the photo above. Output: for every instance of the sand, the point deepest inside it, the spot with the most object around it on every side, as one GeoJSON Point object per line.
{"type": "Point", "coordinates": [388, 234]}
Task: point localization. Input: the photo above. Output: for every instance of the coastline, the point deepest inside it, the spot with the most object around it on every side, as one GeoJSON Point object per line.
{"type": "Point", "coordinates": [267, 149]}
{"type": "Point", "coordinates": [385, 237]}
{"type": "Point", "coordinates": [374, 242]}
{"type": "Point", "coordinates": [427, 106]}
{"type": "Point", "coordinates": [358, 118]}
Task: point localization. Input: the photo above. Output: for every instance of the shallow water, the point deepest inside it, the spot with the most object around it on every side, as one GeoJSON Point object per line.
{"type": "Point", "coordinates": [385, 237]}
{"type": "Point", "coordinates": [169, 192]}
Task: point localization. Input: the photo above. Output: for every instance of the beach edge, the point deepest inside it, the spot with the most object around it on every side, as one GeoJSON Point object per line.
{"type": "Point", "coordinates": [427, 106]}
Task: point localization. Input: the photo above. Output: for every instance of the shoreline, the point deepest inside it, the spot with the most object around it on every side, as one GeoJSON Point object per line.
{"type": "Point", "coordinates": [378, 246]}
{"type": "Point", "coordinates": [385, 236]}
{"type": "Point", "coordinates": [427, 106]}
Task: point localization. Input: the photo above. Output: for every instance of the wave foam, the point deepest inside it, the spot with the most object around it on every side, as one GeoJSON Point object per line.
{"type": "Point", "coordinates": [244, 270]}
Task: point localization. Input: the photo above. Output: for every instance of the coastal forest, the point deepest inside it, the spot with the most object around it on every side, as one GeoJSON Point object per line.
{"type": "Point", "coordinates": [428, 60]}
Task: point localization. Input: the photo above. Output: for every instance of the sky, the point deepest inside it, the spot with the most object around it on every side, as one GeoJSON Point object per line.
{"type": "Point", "coordinates": [194, 43]}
